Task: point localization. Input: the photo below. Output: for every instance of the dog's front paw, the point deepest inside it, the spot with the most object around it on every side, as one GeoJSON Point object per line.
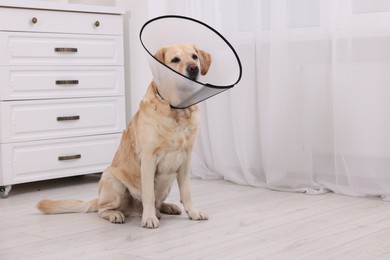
{"type": "Point", "coordinates": [150, 222]}
{"type": "Point", "coordinates": [197, 215]}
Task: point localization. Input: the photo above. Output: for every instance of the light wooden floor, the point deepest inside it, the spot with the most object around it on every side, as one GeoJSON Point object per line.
{"type": "Point", "coordinates": [245, 223]}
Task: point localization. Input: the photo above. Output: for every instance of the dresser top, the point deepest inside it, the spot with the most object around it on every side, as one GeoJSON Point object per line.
{"type": "Point", "coordinates": [46, 5]}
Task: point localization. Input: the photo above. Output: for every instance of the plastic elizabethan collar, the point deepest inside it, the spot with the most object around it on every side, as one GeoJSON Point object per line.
{"type": "Point", "coordinates": [179, 90]}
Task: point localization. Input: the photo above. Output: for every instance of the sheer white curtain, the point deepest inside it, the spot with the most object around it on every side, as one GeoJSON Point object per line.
{"type": "Point", "coordinates": [312, 112]}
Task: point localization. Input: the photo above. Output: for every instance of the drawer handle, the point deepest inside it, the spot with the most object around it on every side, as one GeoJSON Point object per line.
{"type": "Point", "coordinates": [68, 118]}
{"type": "Point", "coordinates": [65, 49]}
{"type": "Point", "coordinates": [67, 82]}
{"type": "Point", "coordinates": [34, 20]}
{"type": "Point", "coordinates": [97, 23]}
{"type": "Point", "coordinates": [69, 157]}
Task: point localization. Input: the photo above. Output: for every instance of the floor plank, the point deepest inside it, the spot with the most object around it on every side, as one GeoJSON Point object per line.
{"type": "Point", "coordinates": [245, 223]}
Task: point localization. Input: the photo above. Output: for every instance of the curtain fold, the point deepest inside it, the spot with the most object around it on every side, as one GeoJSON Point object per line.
{"type": "Point", "coordinates": [312, 112]}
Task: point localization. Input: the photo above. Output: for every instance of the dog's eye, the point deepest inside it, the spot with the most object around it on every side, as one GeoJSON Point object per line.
{"type": "Point", "coordinates": [194, 56]}
{"type": "Point", "coordinates": [175, 60]}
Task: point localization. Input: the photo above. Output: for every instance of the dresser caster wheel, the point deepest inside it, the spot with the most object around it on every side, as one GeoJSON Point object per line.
{"type": "Point", "coordinates": [4, 191]}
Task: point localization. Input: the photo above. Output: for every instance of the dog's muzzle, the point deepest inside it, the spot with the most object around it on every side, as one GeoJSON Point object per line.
{"type": "Point", "coordinates": [193, 71]}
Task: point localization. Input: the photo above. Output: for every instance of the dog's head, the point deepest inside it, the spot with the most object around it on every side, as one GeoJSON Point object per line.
{"type": "Point", "coordinates": [185, 59]}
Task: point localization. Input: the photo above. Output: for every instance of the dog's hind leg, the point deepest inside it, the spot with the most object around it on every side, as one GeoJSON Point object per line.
{"type": "Point", "coordinates": [113, 200]}
{"type": "Point", "coordinates": [170, 209]}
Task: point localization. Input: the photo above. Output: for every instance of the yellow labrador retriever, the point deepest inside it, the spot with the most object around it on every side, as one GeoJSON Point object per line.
{"type": "Point", "coordinates": [155, 149]}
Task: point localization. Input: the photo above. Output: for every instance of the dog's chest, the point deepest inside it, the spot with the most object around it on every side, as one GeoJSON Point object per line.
{"type": "Point", "coordinates": [177, 148]}
{"type": "Point", "coordinates": [171, 162]}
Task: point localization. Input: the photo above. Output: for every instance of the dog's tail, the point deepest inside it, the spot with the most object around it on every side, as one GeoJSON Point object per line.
{"type": "Point", "coordinates": [67, 206]}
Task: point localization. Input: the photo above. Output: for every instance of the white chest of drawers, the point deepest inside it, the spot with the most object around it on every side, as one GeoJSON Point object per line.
{"type": "Point", "coordinates": [62, 105]}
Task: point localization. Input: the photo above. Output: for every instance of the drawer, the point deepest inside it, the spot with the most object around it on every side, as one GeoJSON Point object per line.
{"type": "Point", "coordinates": [15, 19]}
{"type": "Point", "coordinates": [60, 49]}
{"type": "Point", "coordinates": [40, 160]}
{"type": "Point", "coordinates": [57, 118]}
{"type": "Point", "coordinates": [42, 82]}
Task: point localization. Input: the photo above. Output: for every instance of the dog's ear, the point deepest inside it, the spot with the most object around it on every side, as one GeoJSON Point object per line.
{"type": "Point", "coordinates": [205, 61]}
{"type": "Point", "coordinates": [160, 55]}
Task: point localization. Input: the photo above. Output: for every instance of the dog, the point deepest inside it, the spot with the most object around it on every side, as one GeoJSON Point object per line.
{"type": "Point", "coordinates": [155, 149]}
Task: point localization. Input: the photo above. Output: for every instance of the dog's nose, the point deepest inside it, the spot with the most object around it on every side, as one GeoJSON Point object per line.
{"type": "Point", "coordinates": [193, 71]}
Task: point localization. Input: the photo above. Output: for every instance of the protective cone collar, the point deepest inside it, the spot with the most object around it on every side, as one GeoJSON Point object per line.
{"type": "Point", "coordinates": [179, 90]}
